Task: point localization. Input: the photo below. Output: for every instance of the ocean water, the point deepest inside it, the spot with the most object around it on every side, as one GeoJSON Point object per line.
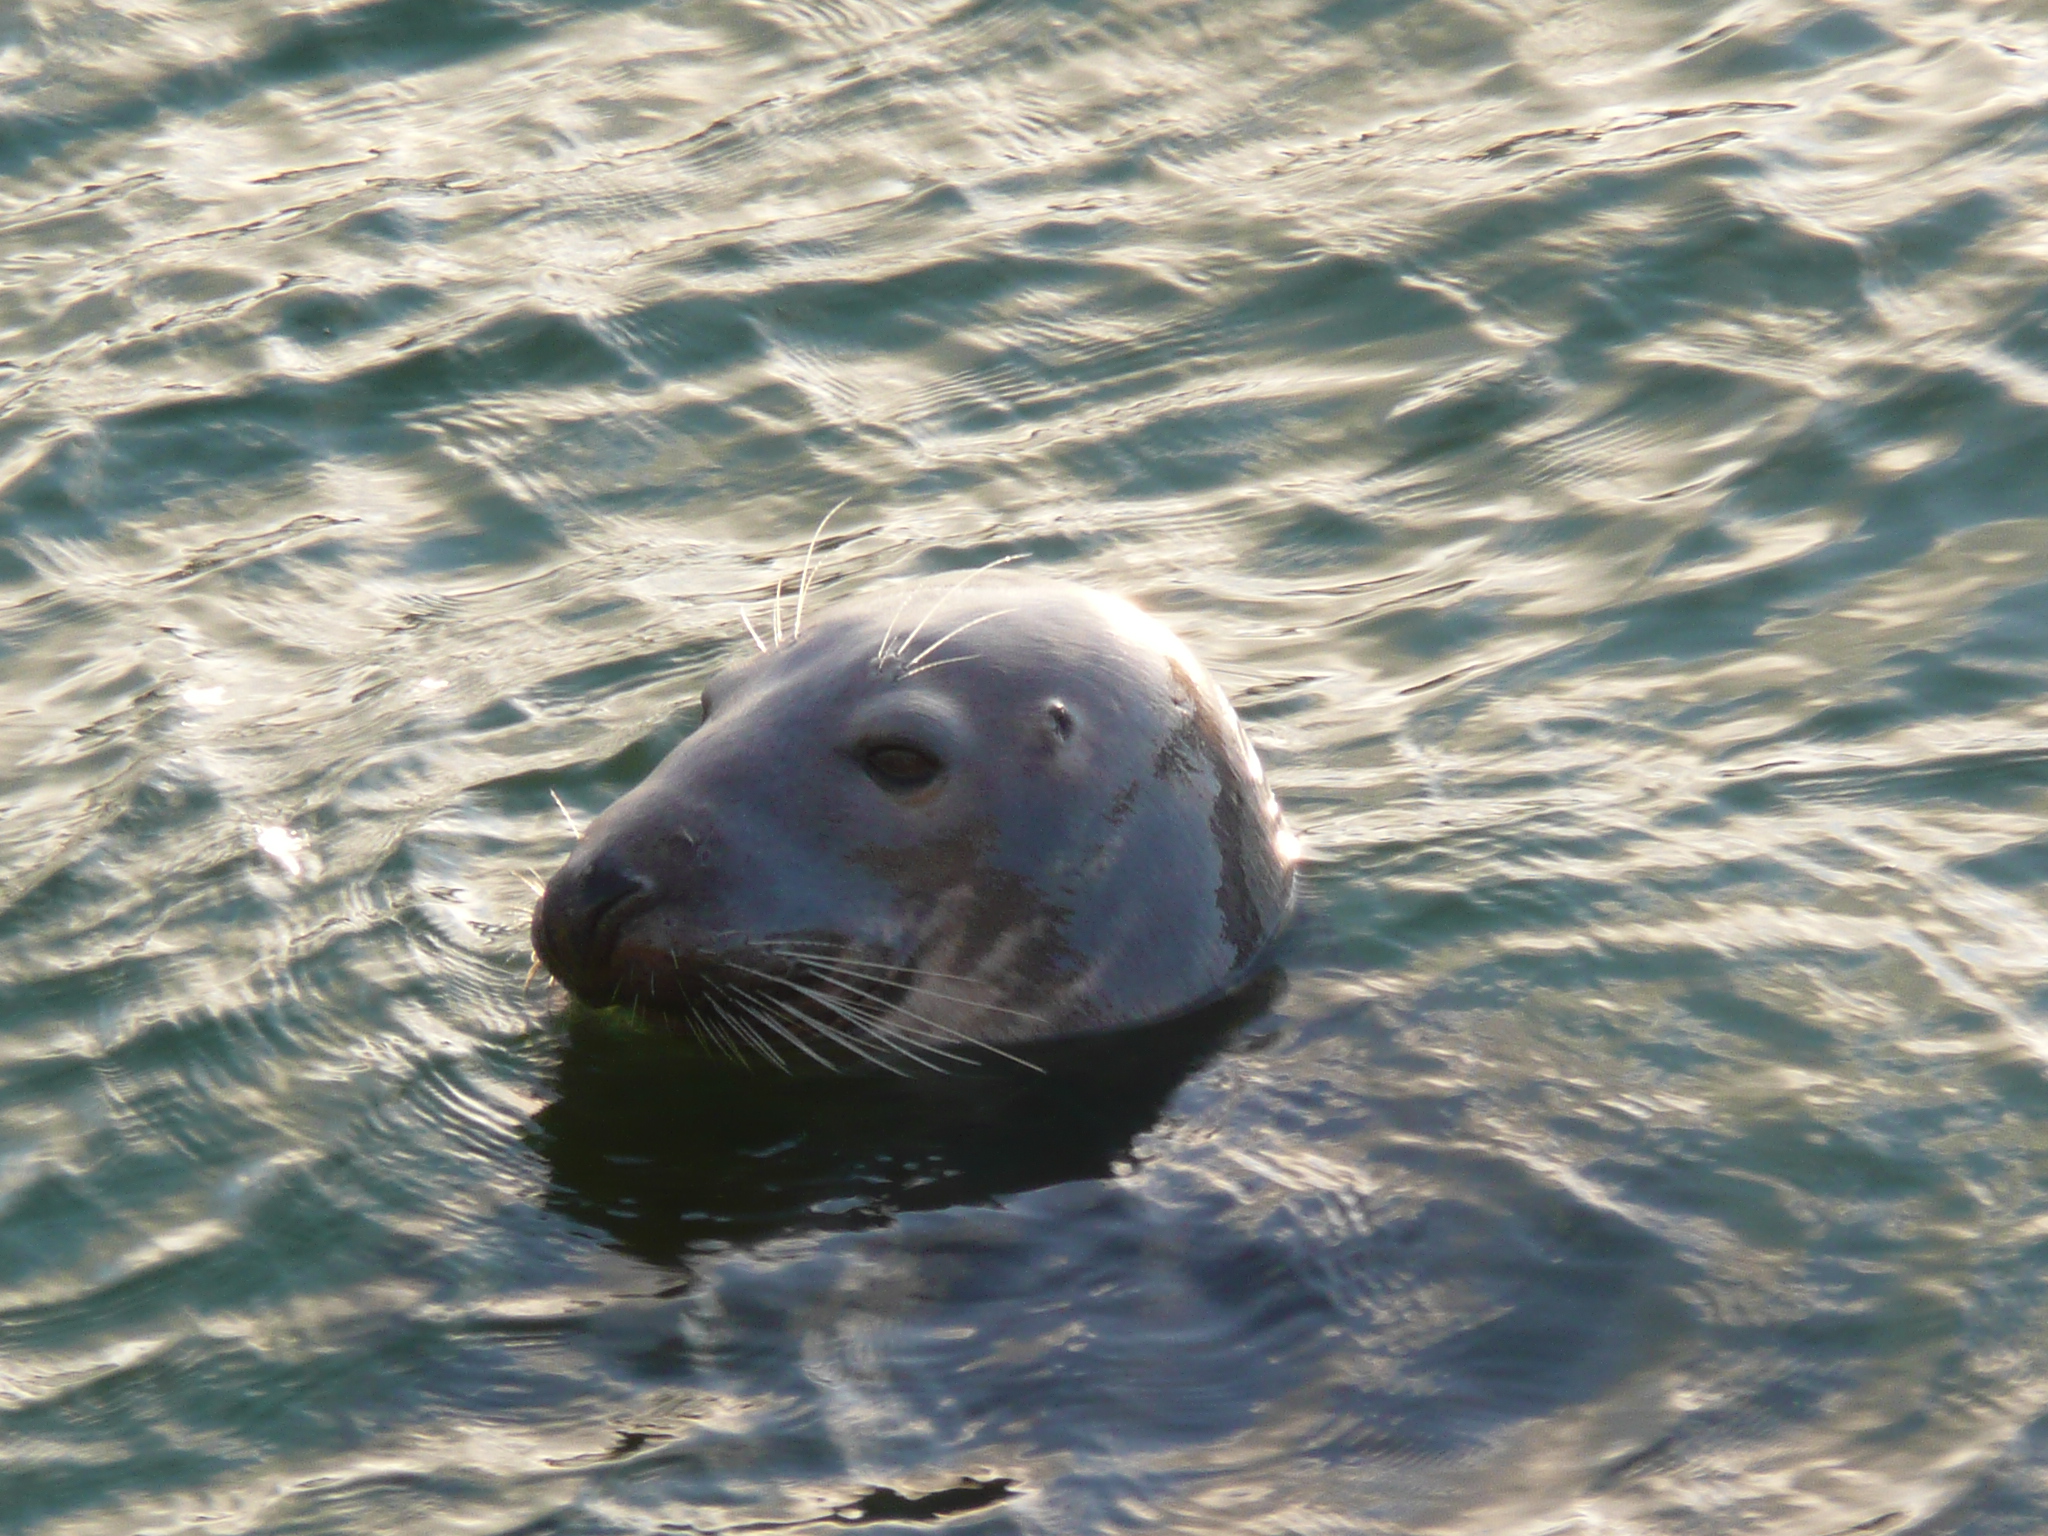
{"type": "Point", "coordinates": [1603, 449]}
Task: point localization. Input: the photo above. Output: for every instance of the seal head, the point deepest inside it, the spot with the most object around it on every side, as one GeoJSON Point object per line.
{"type": "Point", "coordinates": [932, 828]}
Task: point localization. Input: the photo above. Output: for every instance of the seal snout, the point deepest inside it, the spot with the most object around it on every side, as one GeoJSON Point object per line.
{"type": "Point", "coordinates": [577, 922]}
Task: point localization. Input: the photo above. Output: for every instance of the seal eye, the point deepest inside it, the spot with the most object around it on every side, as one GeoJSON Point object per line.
{"type": "Point", "coordinates": [899, 766]}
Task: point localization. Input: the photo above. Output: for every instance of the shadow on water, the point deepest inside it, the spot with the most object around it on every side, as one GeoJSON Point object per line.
{"type": "Point", "coordinates": [666, 1149]}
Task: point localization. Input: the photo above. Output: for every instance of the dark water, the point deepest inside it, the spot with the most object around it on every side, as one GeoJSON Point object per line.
{"type": "Point", "coordinates": [1604, 448]}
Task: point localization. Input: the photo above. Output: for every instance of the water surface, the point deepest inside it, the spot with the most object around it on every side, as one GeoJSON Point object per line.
{"type": "Point", "coordinates": [1602, 448]}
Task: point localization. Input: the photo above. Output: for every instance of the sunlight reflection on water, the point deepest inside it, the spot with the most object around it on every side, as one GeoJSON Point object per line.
{"type": "Point", "coordinates": [1598, 448]}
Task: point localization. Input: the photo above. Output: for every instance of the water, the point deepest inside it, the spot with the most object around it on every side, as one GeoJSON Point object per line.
{"type": "Point", "coordinates": [1600, 447]}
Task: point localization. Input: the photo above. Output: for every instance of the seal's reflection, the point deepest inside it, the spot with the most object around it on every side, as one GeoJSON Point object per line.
{"type": "Point", "coordinates": [666, 1150]}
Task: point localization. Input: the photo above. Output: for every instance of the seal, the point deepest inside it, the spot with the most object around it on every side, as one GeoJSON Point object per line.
{"type": "Point", "coordinates": [932, 828]}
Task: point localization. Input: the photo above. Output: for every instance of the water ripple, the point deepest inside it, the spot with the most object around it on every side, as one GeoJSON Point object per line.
{"type": "Point", "coordinates": [1597, 448]}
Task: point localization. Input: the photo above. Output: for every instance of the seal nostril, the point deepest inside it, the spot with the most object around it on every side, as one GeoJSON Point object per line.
{"type": "Point", "coordinates": [605, 884]}
{"type": "Point", "coordinates": [577, 921]}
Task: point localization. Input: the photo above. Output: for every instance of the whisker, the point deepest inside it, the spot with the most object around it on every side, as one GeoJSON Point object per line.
{"type": "Point", "coordinates": [757, 1008]}
{"type": "Point", "coordinates": [760, 1043]}
{"type": "Point", "coordinates": [959, 1038]}
{"type": "Point", "coordinates": [778, 612]}
{"type": "Point", "coordinates": [942, 598]}
{"type": "Point", "coordinates": [866, 1021]}
{"type": "Point", "coordinates": [823, 1028]}
{"type": "Point", "coordinates": [860, 987]}
{"type": "Point", "coordinates": [795, 950]}
{"type": "Point", "coordinates": [863, 1006]}
{"type": "Point", "coordinates": [823, 954]}
{"type": "Point", "coordinates": [574, 830]}
{"type": "Point", "coordinates": [1000, 613]}
{"type": "Point", "coordinates": [723, 1038]}
{"type": "Point", "coordinates": [882, 653]}
{"type": "Point", "coordinates": [735, 1027]}
{"type": "Point", "coordinates": [531, 881]}
{"type": "Point", "coordinates": [773, 1025]}
{"type": "Point", "coordinates": [881, 1032]}
{"type": "Point", "coordinates": [804, 582]}
{"type": "Point", "coordinates": [861, 970]}
{"type": "Point", "coordinates": [930, 1031]}
{"type": "Point", "coordinates": [889, 1032]}
{"type": "Point", "coordinates": [717, 1039]}
{"type": "Point", "coordinates": [933, 1029]}
{"type": "Point", "coordinates": [700, 1028]}
{"type": "Point", "coordinates": [752, 633]}
{"type": "Point", "coordinates": [695, 1026]}
{"type": "Point", "coordinates": [946, 661]}
{"type": "Point", "coordinates": [528, 981]}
